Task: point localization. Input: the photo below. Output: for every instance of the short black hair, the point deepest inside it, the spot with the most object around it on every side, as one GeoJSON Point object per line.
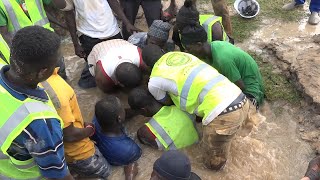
{"type": "Point", "coordinates": [139, 98]}
{"type": "Point", "coordinates": [32, 48]}
{"type": "Point", "coordinates": [128, 74]}
{"type": "Point", "coordinates": [107, 111]}
{"type": "Point", "coordinates": [151, 54]}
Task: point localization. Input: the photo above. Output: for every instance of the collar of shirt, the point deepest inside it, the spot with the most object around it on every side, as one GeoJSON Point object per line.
{"type": "Point", "coordinates": [37, 94]}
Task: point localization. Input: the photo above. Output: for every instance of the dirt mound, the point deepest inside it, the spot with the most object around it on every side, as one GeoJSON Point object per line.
{"type": "Point", "coordinates": [299, 59]}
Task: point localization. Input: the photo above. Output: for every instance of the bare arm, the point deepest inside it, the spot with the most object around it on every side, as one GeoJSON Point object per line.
{"type": "Point", "coordinates": [116, 7]}
{"type": "Point", "coordinates": [74, 134]}
{"type": "Point", "coordinates": [6, 35]}
{"type": "Point", "coordinates": [55, 21]}
{"type": "Point", "coordinates": [71, 24]}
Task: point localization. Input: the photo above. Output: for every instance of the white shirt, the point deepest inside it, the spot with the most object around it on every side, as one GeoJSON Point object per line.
{"type": "Point", "coordinates": [112, 53]}
{"type": "Point", "coordinates": [94, 18]}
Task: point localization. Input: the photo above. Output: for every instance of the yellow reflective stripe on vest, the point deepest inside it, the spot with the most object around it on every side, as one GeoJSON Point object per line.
{"type": "Point", "coordinates": [19, 115]}
{"type": "Point", "coordinates": [207, 25]}
{"type": "Point", "coordinates": [5, 50]}
{"type": "Point", "coordinates": [209, 86]}
{"type": "Point", "coordinates": [156, 126]}
{"type": "Point", "coordinates": [52, 94]}
{"type": "Point", "coordinates": [24, 166]}
{"type": "Point", "coordinates": [44, 19]}
{"type": "Point", "coordinates": [12, 15]}
{"type": "Point", "coordinates": [187, 85]}
{"type": "Point", "coordinates": [15, 20]}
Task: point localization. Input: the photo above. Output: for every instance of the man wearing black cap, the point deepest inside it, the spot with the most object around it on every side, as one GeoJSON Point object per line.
{"type": "Point", "coordinates": [173, 165]}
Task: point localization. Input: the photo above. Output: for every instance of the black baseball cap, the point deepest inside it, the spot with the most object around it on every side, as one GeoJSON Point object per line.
{"type": "Point", "coordinates": [174, 165]}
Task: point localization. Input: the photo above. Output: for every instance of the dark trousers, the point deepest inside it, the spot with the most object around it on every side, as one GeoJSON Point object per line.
{"type": "Point", "coordinates": [151, 9]}
{"type": "Point", "coordinates": [87, 43]}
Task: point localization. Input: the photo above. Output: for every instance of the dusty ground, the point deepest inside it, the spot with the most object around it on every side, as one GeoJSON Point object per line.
{"type": "Point", "coordinates": [281, 146]}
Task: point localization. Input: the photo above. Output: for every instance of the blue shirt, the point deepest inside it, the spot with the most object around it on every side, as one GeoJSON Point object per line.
{"type": "Point", "coordinates": [118, 151]}
{"type": "Point", "coordinates": [41, 139]}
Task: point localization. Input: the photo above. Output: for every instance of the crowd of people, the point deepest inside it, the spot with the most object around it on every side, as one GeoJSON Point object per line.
{"type": "Point", "coordinates": [209, 81]}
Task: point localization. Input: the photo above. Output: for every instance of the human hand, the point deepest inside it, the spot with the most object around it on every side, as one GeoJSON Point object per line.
{"type": "Point", "coordinates": [90, 127]}
{"type": "Point", "coordinates": [131, 29]}
{"type": "Point", "coordinates": [79, 51]}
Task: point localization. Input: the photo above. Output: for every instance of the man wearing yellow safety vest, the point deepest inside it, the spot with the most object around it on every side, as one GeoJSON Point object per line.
{"type": "Point", "coordinates": [4, 51]}
{"type": "Point", "coordinates": [188, 17]}
{"type": "Point", "coordinates": [30, 129]}
{"type": "Point", "coordinates": [16, 14]}
{"type": "Point", "coordinates": [169, 128]}
{"type": "Point", "coordinates": [198, 88]}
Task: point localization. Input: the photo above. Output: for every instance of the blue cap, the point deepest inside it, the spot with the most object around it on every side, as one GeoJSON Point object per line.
{"type": "Point", "coordinates": [174, 165]}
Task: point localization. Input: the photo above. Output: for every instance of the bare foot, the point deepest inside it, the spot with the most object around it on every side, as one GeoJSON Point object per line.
{"type": "Point", "coordinates": [131, 171]}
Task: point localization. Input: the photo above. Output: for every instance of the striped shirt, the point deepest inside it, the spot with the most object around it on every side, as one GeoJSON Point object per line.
{"type": "Point", "coordinates": [41, 139]}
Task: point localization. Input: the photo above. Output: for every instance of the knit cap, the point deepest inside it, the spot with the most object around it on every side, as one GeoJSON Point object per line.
{"type": "Point", "coordinates": [187, 15]}
{"type": "Point", "coordinates": [193, 34]}
{"type": "Point", "coordinates": [160, 30]}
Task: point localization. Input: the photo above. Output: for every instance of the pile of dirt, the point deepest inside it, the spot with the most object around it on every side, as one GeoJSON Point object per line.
{"type": "Point", "coordinates": [299, 60]}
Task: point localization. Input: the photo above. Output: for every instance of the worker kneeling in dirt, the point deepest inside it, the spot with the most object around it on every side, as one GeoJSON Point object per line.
{"type": "Point", "coordinates": [235, 64]}
{"type": "Point", "coordinates": [189, 16]}
{"type": "Point", "coordinates": [197, 88]}
{"type": "Point", "coordinates": [169, 128]}
{"type": "Point", "coordinates": [116, 63]}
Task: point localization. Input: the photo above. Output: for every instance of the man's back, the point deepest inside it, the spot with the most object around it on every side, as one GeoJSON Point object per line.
{"type": "Point", "coordinates": [236, 65]}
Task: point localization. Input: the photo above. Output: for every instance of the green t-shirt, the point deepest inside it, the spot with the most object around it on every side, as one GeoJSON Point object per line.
{"type": "Point", "coordinates": [4, 18]}
{"type": "Point", "coordinates": [236, 64]}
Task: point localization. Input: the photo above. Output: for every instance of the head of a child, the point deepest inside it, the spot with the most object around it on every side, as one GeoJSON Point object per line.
{"type": "Point", "coordinates": [141, 100]}
{"type": "Point", "coordinates": [158, 33]}
{"type": "Point", "coordinates": [109, 112]}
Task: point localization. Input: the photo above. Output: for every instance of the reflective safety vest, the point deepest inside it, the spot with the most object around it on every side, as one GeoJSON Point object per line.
{"type": "Point", "coordinates": [15, 116]}
{"type": "Point", "coordinates": [173, 128]}
{"type": "Point", "coordinates": [202, 90]}
{"type": "Point", "coordinates": [17, 19]}
{"type": "Point", "coordinates": [207, 21]}
{"type": "Point", "coordinates": [5, 51]}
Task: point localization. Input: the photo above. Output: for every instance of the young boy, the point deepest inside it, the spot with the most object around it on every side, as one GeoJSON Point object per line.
{"type": "Point", "coordinates": [110, 137]}
{"type": "Point", "coordinates": [83, 158]}
{"type": "Point", "coordinates": [169, 128]}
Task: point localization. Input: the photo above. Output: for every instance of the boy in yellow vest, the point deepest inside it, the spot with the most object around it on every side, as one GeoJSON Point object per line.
{"type": "Point", "coordinates": [31, 130]}
{"type": "Point", "coordinates": [197, 88]}
{"type": "Point", "coordinates": [169, 128]}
